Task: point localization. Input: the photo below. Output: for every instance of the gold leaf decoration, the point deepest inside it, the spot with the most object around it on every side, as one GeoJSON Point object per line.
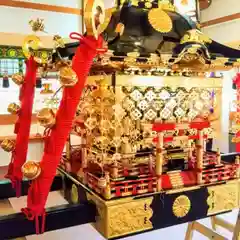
{"type": "Point", "coordinates": [181, 206]}
{"type": "Point", "coordinates": [160, 20]}
{"type": "Point", "coordinates": [130, 217]}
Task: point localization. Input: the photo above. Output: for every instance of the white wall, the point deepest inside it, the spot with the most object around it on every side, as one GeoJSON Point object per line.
{"type": "Point", "coordinates": [64, 3]}
{"type": "Point", "coordinates": [224, 32]}
{"type": "Point", "coordinates": [55, 23]}
{"type": "Point", "coordinates": [220, 8]}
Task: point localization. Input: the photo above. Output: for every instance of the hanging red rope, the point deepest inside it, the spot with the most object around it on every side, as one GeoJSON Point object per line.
{"type": "Point", "coordinates": [236, 81]}
{"type": "Point", "coordinates": [55, 142]}
{"type": "Point", "coordinates": [23, 125]}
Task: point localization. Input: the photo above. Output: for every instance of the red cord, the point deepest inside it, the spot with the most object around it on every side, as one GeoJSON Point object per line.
{"type": "Point", "coordinates": [23, 125]}
{"type": "Point", "coordinates": [82, 61]}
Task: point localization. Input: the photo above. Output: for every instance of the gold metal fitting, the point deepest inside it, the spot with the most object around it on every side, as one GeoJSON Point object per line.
{"type": "Point", "coordinates": [102, 182]}
{"type": "Point", "coordinates": [18, 78]}
{"type": "Point", "coordinates": [46, 117]}
{"type": "Point", "coordinates": [31, 170]}
{"type": "Point", "coordinates": [8, 145]}
{"type": "Point", "coordinates": [68, 77]}
{"type": "Point", "coordinates": [13, 108]}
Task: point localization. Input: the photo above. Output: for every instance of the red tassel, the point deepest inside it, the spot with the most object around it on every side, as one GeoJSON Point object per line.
{"type": "Point", "coordinates": [58, 136]}
{"type": "Point", "coordinates": [22, 126]}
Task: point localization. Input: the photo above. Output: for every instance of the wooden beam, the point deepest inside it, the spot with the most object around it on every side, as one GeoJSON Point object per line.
{"type": "Point", "coordinates": [33, 138]}
{"type": "Point", "coordinates": [9, 119]}
{"type": "Point", "coordinates": [41, 7]}
{"type": "Point", "coordinates": [221, 20]}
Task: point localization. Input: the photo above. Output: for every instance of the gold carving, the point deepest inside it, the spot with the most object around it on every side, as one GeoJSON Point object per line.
{"type": "Point", "coordinates": [181, 206]}
{"type": "Point", "coordinates": [160, 20]}
{"type": "Point", "coordinates": [195, 36]}
{"type": "Point", "coordinates": [222, 198]}
{"type": "Point", "coordinates": [130, 217]}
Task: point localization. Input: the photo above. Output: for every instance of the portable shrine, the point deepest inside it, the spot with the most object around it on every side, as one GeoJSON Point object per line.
{"type": "Point", "coordinates": [150, 107]}
{"type": "Point", "coordinates": [145, 119]}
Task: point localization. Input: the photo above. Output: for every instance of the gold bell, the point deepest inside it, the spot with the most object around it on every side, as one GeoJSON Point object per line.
{"type": "Point", "coordinates": [13, 108]}
{"type": "Point", "coordinates": [31, 170]}
{"type": "Point", "coordinates": [8, 145]}
{"type": "Point", "coordinates": [46, 117]}
{"type": "Point", "coordinates": [18, 78]}
{"type": "Point", "coordinates": [68, 77]}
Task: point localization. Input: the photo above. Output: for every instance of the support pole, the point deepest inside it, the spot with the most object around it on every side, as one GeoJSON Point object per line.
{"type": "Point", "coordinates": [159, 160]}
{"type": "Point", "coordinates": [199, 149]}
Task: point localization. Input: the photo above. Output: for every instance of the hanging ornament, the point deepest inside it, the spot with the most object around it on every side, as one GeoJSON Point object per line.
{"type": "Point", "coordinates": [39, 82]}
{"type": "Point", "coordinates": [8, 145]}
{"type": "Point", "coordinates": [68, 77]}
{"type": "Point", "coordinates": [5, 80]}
{"type": "Point", "coordinates": [18, 78]}
{"type": "Point", "coordinates": [31, 170]}
{"type": "Point", "coordinates": [46, 117]}
{"type": "Point", "coordinates": [13, 108]}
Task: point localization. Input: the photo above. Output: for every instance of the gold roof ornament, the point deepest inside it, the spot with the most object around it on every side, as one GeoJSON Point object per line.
{"type": "Point", "coordinates": [37, 25]}
{"type": "Point", "coordinates": [33, 42]}
{"type": "Point", "coordinates": [196, 36]}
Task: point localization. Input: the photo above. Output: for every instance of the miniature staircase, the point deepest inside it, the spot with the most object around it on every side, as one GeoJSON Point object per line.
{"type": "Point", "coordinates": [176, 179]}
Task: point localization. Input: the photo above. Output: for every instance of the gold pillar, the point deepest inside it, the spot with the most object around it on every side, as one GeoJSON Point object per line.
{"type": "Point", "coordinates": [218, 157]}
{"type": "Point", "coordinates": [107, 190]}
{"type": "Point", "coordinates": [68, 149]}
{"type": "Point", "coordinates": [84, 151]}
{"type": "Point", "coordinates": [199, 149]}
{"type": "Point", "coordinates": [115, 170]}
{"type": "Point", "coordinates": [237, 161]}
{"type": "Point", "coordinates": [159, 160]}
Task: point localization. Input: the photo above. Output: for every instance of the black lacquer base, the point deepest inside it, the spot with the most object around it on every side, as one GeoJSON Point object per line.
{"type": "Point", "coordinates": [16, 225]}
{"type": "Point", "coordinates": [6, 190]}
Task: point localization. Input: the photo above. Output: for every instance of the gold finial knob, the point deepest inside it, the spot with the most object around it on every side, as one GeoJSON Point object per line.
{"type": "Point", "coordinates": [46, 117]}
{"type": "Point", "coordinates": [18, 78]}
{"type": "Point", "coordinates": [13, 108]}
{"type": "Point", "coordinates": [31, 170]}
{"type": "Point", "coordinates": [8, 145]}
